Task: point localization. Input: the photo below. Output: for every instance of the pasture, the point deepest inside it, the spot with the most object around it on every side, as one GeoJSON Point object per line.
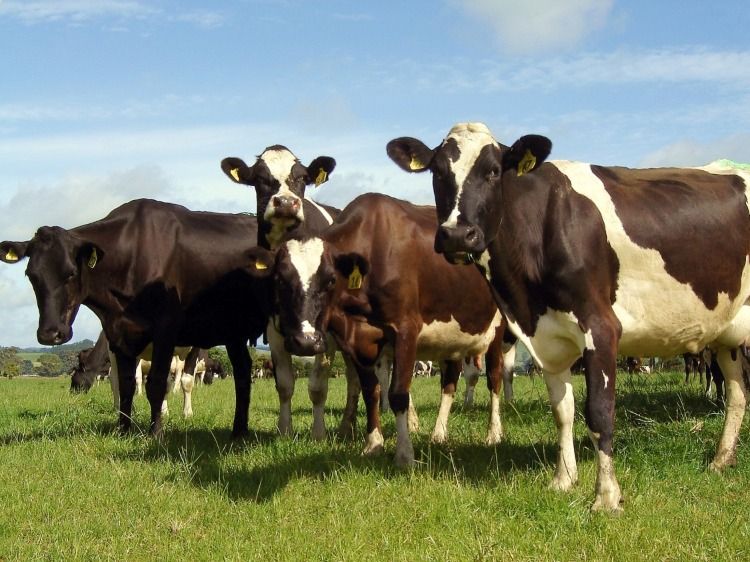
{"type": "Point", "coordinates": [72, 488]}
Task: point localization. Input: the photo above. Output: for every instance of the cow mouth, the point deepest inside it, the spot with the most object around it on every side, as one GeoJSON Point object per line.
{"type": "Point", "coordinates": [462, 258]}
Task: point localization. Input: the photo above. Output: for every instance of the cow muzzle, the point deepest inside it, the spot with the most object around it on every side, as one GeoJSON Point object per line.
{"type": "Point", "coordinates": [53, 336]}
{"type": "Point", "coordinates": [460, 244]}
{"type": "Point", "coordinates": [304, 343]}
{"type": "Point", "coordinates": [286, 207]}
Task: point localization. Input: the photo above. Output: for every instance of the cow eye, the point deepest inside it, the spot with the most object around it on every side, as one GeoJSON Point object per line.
{"type": "Point", "coordinates": [493, 174]}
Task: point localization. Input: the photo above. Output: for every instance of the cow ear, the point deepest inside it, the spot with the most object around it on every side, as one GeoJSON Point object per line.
{"type": "Point", "coordinates": [353, 267]}
{"type": "Point", "coordinates": [90, 254]}
{"type": "Point", "coordinates": [261, 262]}
{"type": "Point", "coordinates": [319, 170]}
{"type": "Point", "coordinates": [13, 252]}
{"type": "Point", "coordinates": [411, 155]}
{"type": "Point", "coordinates": [527, 154]}
{"type": "Point", "coordinates": [237, 171]}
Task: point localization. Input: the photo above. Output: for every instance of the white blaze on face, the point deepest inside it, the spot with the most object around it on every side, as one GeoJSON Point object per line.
{"type": "Point", "coordinates": [280, 164]}
{"type": "Point", "coordinates": [305, 257]}
{"type": "Point", "coordinates": [471, 139]}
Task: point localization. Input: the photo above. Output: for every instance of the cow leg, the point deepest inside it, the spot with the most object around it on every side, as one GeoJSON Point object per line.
{"type": "Point", "coordinates": [383, 372]}
{"type": "Point", "coordinates": [600, 364]}
{"type": "Point", "coordinates": [283, 372]}
{"type": "Point", "coordinates": [509, 360]}
{"type": "Point", "coordinates": [114, 381]}
{"type": "Point", "coordinates": [156, 385]}
{"type": "Point", "coordinates": [471, 374]}
{"type": "Point", "coordinates": [241, 365]}
{"type": "Point", "coordinates": [449, 374]}
{"type": "Point", "coordinates": [371, 396]}
{"type": "Point", "coordinates": [493, 362]}
{"type": "Point", "coordinates": [317, 389]}
{"type": "Point", "coordinates": [349, 418]}
{"type": "Point", "coordinates": [412, 419]}
{"type": "Point", "coordinates": [139, 379]}
{"type": "Point", "coordinates": [123, 369]}
{"type": "Point", "coordinates": [736, 399]}
{"type": "Point", "coordinates": [560, 390]}
{"type": "Point", "coordinates": [188, 383]}
{"type": "Point", "coordinates": [404, 357]}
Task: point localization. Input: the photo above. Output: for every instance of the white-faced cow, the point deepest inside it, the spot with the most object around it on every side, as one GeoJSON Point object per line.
{"type": "Point", "coordinates": [591, 260]}
{"type": "Point", "coordinates": [373, 280]}
{"type": "Point", "coordinates": [155, 273]}
{"type": "Point", "coordinates": [280, 180]}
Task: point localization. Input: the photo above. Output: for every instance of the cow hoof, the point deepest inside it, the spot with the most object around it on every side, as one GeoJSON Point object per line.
{"type": "Point", "coordinates": [562, 483]}
{"type": "Point", "coordinates": [608, 502]}
{"type": "Point", "coordinates": [494, 437]}
{"type": "Point", "coordinates": [374, 444]}
{"type": "Point", "coordinates": [346, 430]}
{"type": "Point", "coordinates": [722, 460]}
{"type": "Point", "coordinates": [404, 459]}
{"type": "Point", "coordinates": [318, 433]}
{"type": "Point", "coordinates": [439, 437]}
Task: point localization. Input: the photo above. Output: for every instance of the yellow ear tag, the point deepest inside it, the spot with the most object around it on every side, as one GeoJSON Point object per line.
{"type": "Point", "coordinates": [355, 278]}
{"type": "Point", "coordinates": [11, 256]}
{"type": "Point", "coordinates": [415, 164]}
{"type": "Point", "coordinates": [93, 259]}
{"type": "Point", "coordinates": [260, 265]}
{"type": "Point", "coordinates": [322, 177]}
{"type": "Point", "coordinates": [235, 173]}
{"type": "Point", "coordinates": [527, 163]}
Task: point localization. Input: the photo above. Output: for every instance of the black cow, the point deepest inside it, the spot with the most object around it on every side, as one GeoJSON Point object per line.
{"type": "Point", "coordinates": [153, 273]}
{"type": "Point", "coordinates": [591, 260]}
{"type": "Point", "coordinates": [93, 363]}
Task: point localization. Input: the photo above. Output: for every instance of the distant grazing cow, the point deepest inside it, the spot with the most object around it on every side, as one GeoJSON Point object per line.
{"type": "Point", "coordinates": [154, 273]}
{"type": "Point", "coordinates": [423, 368]}
{"type": "Point", "coordinates": [591, 260]}
{"type": "Point", "coordinates": [374, 281]}
{"type": "Point", "coordinates": [92, 364]}
{"type": "Point", "coordinates": [280, 181]}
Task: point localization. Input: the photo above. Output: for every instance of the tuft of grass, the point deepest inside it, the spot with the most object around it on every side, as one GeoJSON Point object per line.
{"type": "Point", "coordinates": [72, 488]}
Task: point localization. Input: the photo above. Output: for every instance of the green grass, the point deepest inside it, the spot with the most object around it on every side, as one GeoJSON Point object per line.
{"type": "Point", "coordinates": [71, 488]}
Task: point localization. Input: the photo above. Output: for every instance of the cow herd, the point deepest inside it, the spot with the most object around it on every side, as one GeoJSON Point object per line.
{"type": "Point", "coordinates": [572, 259]}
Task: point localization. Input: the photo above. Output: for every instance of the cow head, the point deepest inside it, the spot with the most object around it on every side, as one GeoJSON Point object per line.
{"type": "Point", "coordinates": [311, 278]}
{"type": "Point", "coordinates": [469, 169]}
{"type": "Point", "coordinates": [58, 268]}
{"type": "Point", "coordinates": [82, 379]}
{"type": "Point", "coordinates": [280, 180]}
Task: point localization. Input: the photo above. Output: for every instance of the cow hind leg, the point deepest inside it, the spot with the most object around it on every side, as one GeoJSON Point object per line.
{"type": "Point", "coordinates": [156, 386]}
{"type": "Point", "coordinates": [560, 390]}
{"type": "Point", "coordinates": [188, 383]}
{"type": "Point", "coordinates": [509, 360]}
{"type": "Point", "coordinates": [371, 396]}
{"type": "Point", "coordinates": [734, 407]}
{"type": "Point", "coordinates": [283, 372]}
{"type": "Point", "coordinates": [471, 374]}
{"type": "Point", "coordinates": [494, 366]}
{"type": "Point", "coordinates": [317, 389]}
{"type": "Point", "coordinates": [348, 423]}
{"type": "Point", "coordinates": [449, 373]}
{"type": "Point", "coordinates": [241, 365]}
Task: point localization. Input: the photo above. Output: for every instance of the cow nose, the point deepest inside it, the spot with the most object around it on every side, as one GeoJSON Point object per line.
{"type": "Point", "coordinates": [306, 344]}
{"type": "Point", "coordinates": [286, 202]}
{"type": "Point", "coordinates": [51, 336]}
{"type": "Point", "coordinates": [460, 238]}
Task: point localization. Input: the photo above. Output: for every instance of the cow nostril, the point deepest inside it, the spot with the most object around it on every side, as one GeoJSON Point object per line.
{"type": "Point", "coordinates": [472, 234]}
{"type": "Point", "coordinates": [277, 202]}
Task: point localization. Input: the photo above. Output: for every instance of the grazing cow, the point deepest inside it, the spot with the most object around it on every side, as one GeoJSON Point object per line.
{"type": "Point", "coordinates": [280, 180]}
{"type": "Point", "coordinates": [423, 369]}
{"type": "Point", "coordinates": [695, 365]}
{"type": "Point", "coordinates": [92, 363]}
{"type": "Point", "coordinates": [153, 273]}
{"type": "Point", "coordinates": [374, 281]}
{"type": "Point", "coordinates": [588, 260]}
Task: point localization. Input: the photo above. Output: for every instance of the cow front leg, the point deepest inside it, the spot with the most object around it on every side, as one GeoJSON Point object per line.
{"type": "Point", "coordinates": [348, 424]}
{"type": "Point", "coordinates": [730, 363]}
{"type": "Point", "coordinates": [371, 396]}
{"type": "Point", "coordinates": [600, 361]}
{"type": "Point", "coordinates": [241, 365]}
{"type": "Point", "coordinates": [156, 385]}
{"type": "Point", "coordinates": [560, 390]}
{"type": "Point", "coordinates": [494, 367]}
{"type": "Point", "coordinates": [123, 371]}
{"type": "Point", "coordinates": [317, 389]}
{"type": "Point", "coordinates": [471, 375]}
{"type": "Point", "coordinates": [509, 361]}
{"type": "Point", "coordinates": [283, 372]}
{"type": "Point", "coordinates": [404, 357]}
{"type": "Point", "coordinates": [449, 373]}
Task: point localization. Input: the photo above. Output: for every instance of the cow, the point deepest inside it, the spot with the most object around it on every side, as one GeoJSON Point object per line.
{"type": "Point", "coordinates": [93, 363]}
{"type": "Point", "coordinates": [588, 260]}
{"type": "Point", "coordinates": [373, 281]}
{"type": "Point", "coordinates": [423, 369]}
{"type": "Point", "coordinates": [153, 273]}
{"type": "Point", "coordinates": [280, 181]}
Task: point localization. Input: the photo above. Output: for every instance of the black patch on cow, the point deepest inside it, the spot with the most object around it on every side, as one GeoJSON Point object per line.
{"type": "Point", "coordinates": [697, 221]}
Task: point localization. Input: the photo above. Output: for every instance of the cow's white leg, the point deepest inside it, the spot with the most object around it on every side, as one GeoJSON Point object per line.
{"type": "Point", "coordinates": [349, 418]}
{"type": "Point", "coordinates": [404, 447]}
{"type": "Point", "coordinates": [734, 404]}
{"type": "Point", "coordinates": [317, 388]}
{"type": "Point", "coordinates": [412, 418]}
{"type": "Point", "coordinates": [373, 443]}
{"type": "Point", "coordinates": [188, 383]}
{"type": "Point", "coordinates": [509, 360]}
{"type": "Point", "coordinates": [560, 389]}
{"type": "Point", "coordinates": [495, 426]}
{"type": "Point", "coordinates": [471, 374]}
{"type": "Point", "coordinates": [450, 371]}
{"type": "Point", "coordinates": [139, 379]}
{"type": "Point", "coordinates": [383, 371]}
{"type": "Point", "coordinates": [282, 362]}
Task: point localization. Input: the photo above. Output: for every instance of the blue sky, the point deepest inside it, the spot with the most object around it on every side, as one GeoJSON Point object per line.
{"type": "Point", "coordinates": [102, 101]}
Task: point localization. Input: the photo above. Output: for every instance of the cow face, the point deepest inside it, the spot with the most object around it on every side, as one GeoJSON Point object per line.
{"type": "Point", "coordinates": [310, 279]}
{"type": "Point", "coordinates": [58, 263]}
{"type": "Point", "coordinates": [280, 180]}
{"type": "Point", "coordinates": [468, 170]}
{"type": "Point", "coordinates": [81, 379]}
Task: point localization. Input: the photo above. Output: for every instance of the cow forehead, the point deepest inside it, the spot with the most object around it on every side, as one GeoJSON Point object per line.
{"type": "Point", "coordinates": [470, 139]}
{"type": "Point", "coordinates": [279, 162]}
{"type": "Point", "coordinates": [306, 257]}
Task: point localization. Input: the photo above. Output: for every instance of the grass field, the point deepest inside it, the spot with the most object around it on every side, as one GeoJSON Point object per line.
{"type": "Point", "coordinates": [72, 489]}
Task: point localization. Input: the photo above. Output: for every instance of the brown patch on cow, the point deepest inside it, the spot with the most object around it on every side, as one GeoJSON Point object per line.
{"type": "Point", "coordinates": [696, 220]}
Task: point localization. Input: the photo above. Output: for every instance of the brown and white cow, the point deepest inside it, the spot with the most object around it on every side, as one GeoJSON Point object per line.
{"type": "Point", "coordinates": [280, 181]}
{"type": "Point", "coordinates": [373, 280]}
{"type": "Point", "coordinates": [591, 260]}
{"type": "Point", "coordinates": [153, 273]}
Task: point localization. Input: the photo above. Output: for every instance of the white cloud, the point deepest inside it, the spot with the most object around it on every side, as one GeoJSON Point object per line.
{"type": "Point", "coordinates": [539, 25]}
{"type": "Point", "coordinates": [202, 18]}
{"type": "Point", "coordinates": [689, 152]}
{"type": "Point", "coordinates": [73, 10]}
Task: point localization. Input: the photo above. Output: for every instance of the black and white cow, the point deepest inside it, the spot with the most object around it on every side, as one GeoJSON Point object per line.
{"type": "Point", "coordinates": [280, 181]}
{"type": "Point", "coordinates": [591, 260]}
